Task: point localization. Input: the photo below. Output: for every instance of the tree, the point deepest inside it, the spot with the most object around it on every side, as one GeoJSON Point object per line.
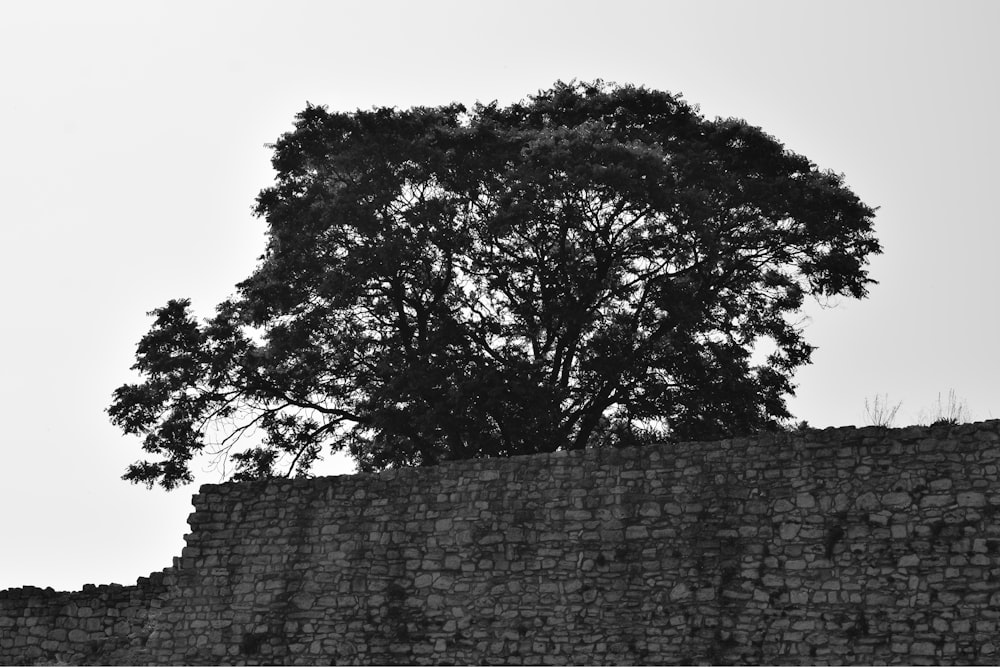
{"type": "Point", "coordinates": [592, 266]}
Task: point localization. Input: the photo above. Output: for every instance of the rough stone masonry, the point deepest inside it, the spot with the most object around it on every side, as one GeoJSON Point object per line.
{"type": "Point", "coordinates": [821, 547]}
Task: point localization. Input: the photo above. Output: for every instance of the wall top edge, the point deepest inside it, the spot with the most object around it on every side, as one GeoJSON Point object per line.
{"type": "Point", "coordinates": [812, 438]}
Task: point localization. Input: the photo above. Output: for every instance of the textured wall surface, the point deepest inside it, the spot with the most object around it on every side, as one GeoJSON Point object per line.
{"type": "Point", "coordinates": [94, 626]}
{"type": "Point", "coordinates": [836, 546]}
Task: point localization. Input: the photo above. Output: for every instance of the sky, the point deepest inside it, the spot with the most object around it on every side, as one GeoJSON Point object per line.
{"type": "Point", "coordinates": [134, 145]}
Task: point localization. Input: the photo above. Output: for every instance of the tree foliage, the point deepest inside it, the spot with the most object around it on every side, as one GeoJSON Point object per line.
{"type": "Point", "coordinates": [592, 266]}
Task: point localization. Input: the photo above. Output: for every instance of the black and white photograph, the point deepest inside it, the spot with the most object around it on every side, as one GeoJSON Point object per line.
{"type": "Point", "coordinates": [439, 332]}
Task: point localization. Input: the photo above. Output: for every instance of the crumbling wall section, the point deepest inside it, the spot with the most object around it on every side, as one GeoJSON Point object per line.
{"type": "Point", "coordinates": [98, 625]}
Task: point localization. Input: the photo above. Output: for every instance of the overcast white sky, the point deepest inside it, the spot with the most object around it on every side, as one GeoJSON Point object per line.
{"type": "Point", "coordinates": [133, 148]}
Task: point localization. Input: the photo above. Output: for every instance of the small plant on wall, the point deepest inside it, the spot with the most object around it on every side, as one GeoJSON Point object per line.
{"type": "Point", "coordinates": [878, 411]}
{"type": "Point", "coordinates": [953, 411]}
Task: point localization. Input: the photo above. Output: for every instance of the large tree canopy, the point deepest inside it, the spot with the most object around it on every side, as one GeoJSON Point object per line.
{"type": "Point", "coordinates": [593, 266]}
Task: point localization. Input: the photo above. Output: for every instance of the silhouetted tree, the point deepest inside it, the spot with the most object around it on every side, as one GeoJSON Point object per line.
{"type": "Point", "coordinates": [592, 266]}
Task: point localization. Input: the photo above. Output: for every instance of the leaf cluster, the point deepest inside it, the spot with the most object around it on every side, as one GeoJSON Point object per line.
{"type": "Point", "coordinates": [592, 266]}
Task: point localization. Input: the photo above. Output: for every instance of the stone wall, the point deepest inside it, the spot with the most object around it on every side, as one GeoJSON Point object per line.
{"type": "Point", "coordinates": [94, 626]}
{"type": "Point", "coordinates": [836, 546]}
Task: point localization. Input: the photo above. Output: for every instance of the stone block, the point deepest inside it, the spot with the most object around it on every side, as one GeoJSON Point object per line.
{"type": "Point", "coordinates": [897, 500]}
{"type": "Point", "coordinates": [78, 636]}
{"type": "Point", "coordinates": [772, 580]}
{"type": "Point", "coordinates": [971, 499]}
{"type": "Point", "coordinates": [867, 501]}
{"type": "Point", "coordinates": [650, 509]}
{"type": "Point", "coordinates": [673, 509]}
{"type": "Point", "coordinates": [680, 592]}
{"type": "Point", "coordinates": [782, 506]}
{"type": "Point", "coordinates": [879, 519]}
{"type": "Point", "coordinates": [937, 500]}
{"type": "Point", "coordinates": [942, 484]}
{"type": "Point", "coordinates": [788, 531]}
